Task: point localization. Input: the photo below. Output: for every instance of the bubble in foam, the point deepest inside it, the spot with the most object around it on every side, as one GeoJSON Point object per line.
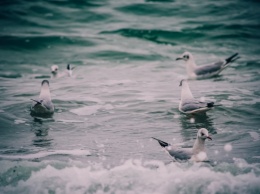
{"type": "Point", "coordinates": [192, 120]}
{"type": "Point", "coordinates": [202, 156]}
{"type": "Point", "coordinates": [228, 147]}
{"type": "Point", "coordinates": [202, 99]}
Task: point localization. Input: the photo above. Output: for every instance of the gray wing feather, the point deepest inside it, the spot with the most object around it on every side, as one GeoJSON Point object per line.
{"type": "Point", "coordinates": [43, 106]}
{"type": "Point", "coordinates": [48, 105]}
{"type": "Point", "coordinates": [190, 106]}
{"type": "Point", "coordinates": [181, 154]}
{"type": "Point", "coordinates": [207, 69]}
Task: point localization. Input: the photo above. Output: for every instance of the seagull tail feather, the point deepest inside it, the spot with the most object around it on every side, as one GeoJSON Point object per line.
{"type": "Point", "coordinates": [38, 102]}
{"type": "Point", "coordinates": [162, 143]}
{"type": "Point", "coordinates": [232, 58]}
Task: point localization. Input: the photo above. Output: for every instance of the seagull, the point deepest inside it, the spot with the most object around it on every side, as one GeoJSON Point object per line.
{"type": "Point", "coordinates": [67, 73]}
{"type": "Point", "coordinates": [43, 105]}
{"type": "Point", "coordinates": [54, 70]}
{"type": "Point", "coordinates": [205, 71]}
{"type": "Point", "coordinates": [69, 70]}
{"type": "Point", "coordinates": [188, 104]}
{"type": "Point", "coordinates": [197, 153]}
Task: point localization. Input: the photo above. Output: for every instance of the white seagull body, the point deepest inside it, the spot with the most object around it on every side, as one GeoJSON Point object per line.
{"type": "Point", "coordinates": [43, 105]}
{"type": "Point", "coordinates": [67, 73]}
{"type": "Point", "coordinates": [205, 71]}
{"type": "Point", "coordinates": [197, 153]}
{"type": "Point", "coordinates": [188, 104]}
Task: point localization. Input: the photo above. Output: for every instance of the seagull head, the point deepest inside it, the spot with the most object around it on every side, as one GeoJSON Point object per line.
{"type": "Point", "coordinates": [203, 134]}
{"type": "Point", "coordinates": [186, 56]}
{"type": "Point", "coordinates": [45, 83]}
{"type": "Point", "coordinates": [45, 87]}
{"type": "Point", "coordinates": [54, 69]}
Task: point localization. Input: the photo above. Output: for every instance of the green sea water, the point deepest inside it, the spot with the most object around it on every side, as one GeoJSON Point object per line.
{"type": "Point", "coordinates": [125, 90]}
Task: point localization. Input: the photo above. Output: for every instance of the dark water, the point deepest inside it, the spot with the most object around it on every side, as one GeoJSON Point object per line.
{"type": "Point", "coordinates": [124, 90]}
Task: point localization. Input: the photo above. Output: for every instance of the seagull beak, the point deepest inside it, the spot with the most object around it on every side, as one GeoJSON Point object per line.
{"type": "Point", "coordinates": [179, 58]}
{"type": "Point", "coordinates": [209, 138]}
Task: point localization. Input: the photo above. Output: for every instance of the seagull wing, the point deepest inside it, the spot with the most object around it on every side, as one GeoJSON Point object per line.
{"type": "Point", "coordinates": [176, 153]}
{"type": "Point", "coordinates": [181, 153]}
{"type": "Point", "coordinates": [216, 67]}
{"type": "Point", "coordinates": [209, 69]}
{"type": "Point", "coordinates": [196, 106]}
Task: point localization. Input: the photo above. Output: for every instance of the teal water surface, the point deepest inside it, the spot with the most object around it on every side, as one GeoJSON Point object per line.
{"type": "Point", "coordinates": [125, 90]}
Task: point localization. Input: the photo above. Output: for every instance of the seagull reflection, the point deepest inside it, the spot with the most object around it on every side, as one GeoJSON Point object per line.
{"type": "Point", "coordinates": [41, 129]}
{"type": "Point", "coordinates": [189, 122]}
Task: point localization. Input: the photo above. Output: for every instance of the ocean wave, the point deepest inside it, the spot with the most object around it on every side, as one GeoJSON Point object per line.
{"type": "Point", "coordinates": [43, 154]}
{"type": "Point", "coordinates": [133, 176]}
{"type": "Point", "coordinates": [158, 36]}
{"type": "Point", "coordinates": [41, 42]}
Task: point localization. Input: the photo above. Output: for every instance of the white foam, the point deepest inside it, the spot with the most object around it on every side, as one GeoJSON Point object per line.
{"type": "Point", "coordinates": [254, 135]}
{"type": "Point", "coordinates": [135, 176]}
{"type": "Point", "coordinates": [108, 107]}
{"type": "Point", "coordinates": [86, 110]}
{"type": "Point", "coordinates": [227, 103]}
{"type": "Point", "coordinates": [69, 121]}
{"type": "Point", "coordinates": [18, 121]}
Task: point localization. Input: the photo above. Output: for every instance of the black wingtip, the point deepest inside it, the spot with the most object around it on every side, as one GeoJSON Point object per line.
{"type": "Point", "coordinates": [210, 104]}
{"type": "Point", "coordinates": [162, 143]}
{"type": "Point", "coordinates": [38, 102]}
{"type": "Point", "coordinates": [232, 58]}
{"type": "Point", "coordinates": [68, 67]}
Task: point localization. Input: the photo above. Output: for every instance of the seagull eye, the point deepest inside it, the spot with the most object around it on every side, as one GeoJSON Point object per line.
{"type": "Point", "coordinates": [186, 56]}
{"type": "Point", "coordinates": [202, 134]}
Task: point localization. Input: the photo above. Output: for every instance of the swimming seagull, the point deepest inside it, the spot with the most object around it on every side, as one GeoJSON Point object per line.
{"type": "Point", "coordinates": [43, 105]}
{"type": "Point", "coordinates": [54, 70]}
{"type": "Point", "coordinates": [197, 153]}
{"type": "Point", "coordinates": [69, 70]}
{"type": "Point", "coordinates": [188, 104]}
{"type": "Point", "coordinates": [205, 71]}
{"type": "Point", "coordinates": [57, 74]}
